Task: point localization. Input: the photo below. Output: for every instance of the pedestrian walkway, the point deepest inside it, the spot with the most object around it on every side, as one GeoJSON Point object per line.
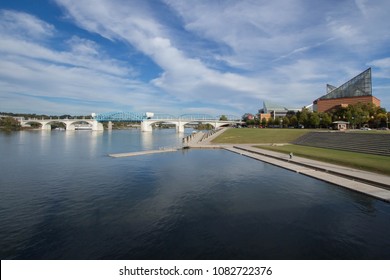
{"type": "Point", "coordinates": [199, 140]}
{"type": "Point", "coordinates": [369, 183]}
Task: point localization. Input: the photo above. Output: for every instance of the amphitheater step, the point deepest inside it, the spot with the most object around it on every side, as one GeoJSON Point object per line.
{"type": "Point", "coordinates": [378, 144]}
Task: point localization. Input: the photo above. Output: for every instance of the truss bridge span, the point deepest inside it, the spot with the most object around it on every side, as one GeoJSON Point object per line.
{"type": "Point", "coordinates": [148, 119]}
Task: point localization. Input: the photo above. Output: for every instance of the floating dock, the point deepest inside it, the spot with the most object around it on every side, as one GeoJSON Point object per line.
{"type": "Point", "coordinates": [141, 153]}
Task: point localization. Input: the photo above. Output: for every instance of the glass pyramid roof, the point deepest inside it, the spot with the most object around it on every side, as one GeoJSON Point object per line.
{"type": "Point", "coordinates": [360, 85]}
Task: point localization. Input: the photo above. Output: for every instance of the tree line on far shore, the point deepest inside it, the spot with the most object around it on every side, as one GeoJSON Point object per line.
{"type": "Point", "coordinates": [9, 122]}
{"type": "Point", "coordinates": [357, 115]}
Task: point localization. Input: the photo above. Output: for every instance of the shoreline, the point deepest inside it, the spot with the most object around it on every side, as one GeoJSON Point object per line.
{"type": "Point", "coordinates": [369, 183]}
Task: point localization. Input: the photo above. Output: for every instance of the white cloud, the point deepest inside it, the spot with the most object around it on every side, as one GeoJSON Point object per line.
{"type": "Point", "coordinates": [222, 54]}
{"type": "Point", "coordinates": [32, 70]}
{"type": "Point", "coordinates": [382, 63]}
{"type": "Point", "coordinates": [24, 25]}
{"type": "Point", "coordinates": [382, 67]}
{"type": "Point", "coordinates": [184, 77]}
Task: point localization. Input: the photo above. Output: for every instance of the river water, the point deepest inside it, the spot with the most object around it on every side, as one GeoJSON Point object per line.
{"type": "Point", "coordinates": [62, 197]}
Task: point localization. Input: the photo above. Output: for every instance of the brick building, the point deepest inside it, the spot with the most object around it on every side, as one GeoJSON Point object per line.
{"type": "Point", "coordinates": [356, 90]}
{"type": "Point", "coordinates": [272, 111]}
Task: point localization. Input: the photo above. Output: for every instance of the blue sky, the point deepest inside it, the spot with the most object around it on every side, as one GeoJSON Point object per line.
{"type": "Point", "coordinates": [193, 56]}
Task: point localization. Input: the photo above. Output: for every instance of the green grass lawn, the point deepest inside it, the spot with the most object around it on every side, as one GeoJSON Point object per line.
{"type": "Point", "coordinates": [374, 163]}
{"type": "Point", "coordinates": [259, 135]}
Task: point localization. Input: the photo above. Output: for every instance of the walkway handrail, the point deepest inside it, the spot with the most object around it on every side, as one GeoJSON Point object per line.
{"type": "Point", "coordinates": [131, 116]}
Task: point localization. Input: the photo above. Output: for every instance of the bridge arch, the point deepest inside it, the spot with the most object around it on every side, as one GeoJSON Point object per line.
{"type": "Point", "coordinates": [148, 119]}
{"type": "Point", "coordinates": [146, 125]}
{"type": "Point", "coordinates": [29, 122]}
{"type": "Point", "coordinates": [44, 124]}
{"type": "Point", "coordinates": [70, 124]}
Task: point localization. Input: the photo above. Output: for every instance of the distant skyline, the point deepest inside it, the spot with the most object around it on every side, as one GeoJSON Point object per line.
{"type": "Point", "coordinates": [195, 56]}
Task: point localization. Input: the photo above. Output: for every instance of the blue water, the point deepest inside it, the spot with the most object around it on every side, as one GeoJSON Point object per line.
{"type": "Point", "coordinates": [62, 197]}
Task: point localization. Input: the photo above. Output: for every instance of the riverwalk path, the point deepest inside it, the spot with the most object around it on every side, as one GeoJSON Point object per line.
{"type": "Point", "coordinates": [369, 183]}
{"type": "Point", "coordinates": [372, 184]}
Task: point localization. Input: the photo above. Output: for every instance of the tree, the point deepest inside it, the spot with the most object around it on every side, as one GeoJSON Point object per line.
{"type": "Point", "coordinates": [314, 119]}
{"type": "Point", "coordinates": [381, 120]}
{"type": "Point", "coordinates": [325, 119]}
{"type": "Point", "coordinates": [277, 121]}
{"type": "Point", "coordinates": [9, 123]}
{"type": "Point", "coordinates": [294, 121]}
{"type": "Point", "coordinates": [247, 116]}
{"type": "Point", "coordinates": [270, 122]}
{"type": "Point", "coordinates": [303, 117]}
{"type": "Point", "coordinates": [263, 122]}
{"type": "Point", "coordinates": [387, 119]}
{"type": "Point", "coordinates": [223, 118]}
{"type": "Point", "coordinates": [286, 121]}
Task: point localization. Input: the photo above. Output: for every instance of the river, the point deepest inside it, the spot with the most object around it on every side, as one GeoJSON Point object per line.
{"type": "Point", "coordinates": [63, 197]}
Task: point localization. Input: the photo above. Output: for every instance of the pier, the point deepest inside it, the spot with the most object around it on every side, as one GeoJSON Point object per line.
{"type": "Point", "coordinates": [141, 153]}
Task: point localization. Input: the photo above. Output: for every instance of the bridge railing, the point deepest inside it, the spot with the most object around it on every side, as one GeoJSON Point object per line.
{"type": "Point", "coordinates": [193, 117]}
{"type": "Point", "coordinates": [130, 116]}
{"type": "Point", "coordinates": [163, 117]}
{"type": "Point", "coordinates": [120, 116]}
{"type": "Point", "coordinates": [229, 117]}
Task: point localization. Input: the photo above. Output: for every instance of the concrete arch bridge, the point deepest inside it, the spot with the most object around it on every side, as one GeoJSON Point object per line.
{"type": "Point", "coordinates": [70, 124]}
{"type": "Point", "coordinates": [148, 119]}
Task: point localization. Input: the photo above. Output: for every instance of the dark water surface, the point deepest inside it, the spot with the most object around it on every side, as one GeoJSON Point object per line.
{"type": "Point", "coordinates": [62, 197]}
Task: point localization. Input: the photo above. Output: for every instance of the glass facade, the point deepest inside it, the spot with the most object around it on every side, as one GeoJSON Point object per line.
{"type": "Point", "coordinates": [360, 85]}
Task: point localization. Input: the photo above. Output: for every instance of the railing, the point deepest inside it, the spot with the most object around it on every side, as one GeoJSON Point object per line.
{"type": "Point", "coordinates": [120, 116]}
{"type": "Point", "coordinates": [130, 116]}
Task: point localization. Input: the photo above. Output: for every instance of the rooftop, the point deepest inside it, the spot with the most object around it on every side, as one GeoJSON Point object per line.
{"type": "Point", "coordinates": [360, 85]}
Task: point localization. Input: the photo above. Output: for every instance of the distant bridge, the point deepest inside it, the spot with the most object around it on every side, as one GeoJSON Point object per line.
{"type": "Point", "coordinates": [148, 119]}
{"type": "Point", "coordinates": [70, 124]}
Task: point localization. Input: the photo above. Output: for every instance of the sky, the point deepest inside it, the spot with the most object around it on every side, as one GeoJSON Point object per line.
{"type": "Point", "coordinates": [179, 57]}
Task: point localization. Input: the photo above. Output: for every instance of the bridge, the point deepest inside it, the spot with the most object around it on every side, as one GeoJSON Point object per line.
{"type": "Point", "coordinates": [146, 119]}
{"type": "Point", "coordinates": [70, 124]}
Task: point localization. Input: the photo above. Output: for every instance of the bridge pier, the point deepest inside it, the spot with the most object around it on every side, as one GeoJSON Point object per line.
{"type": "Point", "coordinates": [70, 126]}
{"type": "Point", "coordinates": [146, 126]}
{"type": "Point", "coordinates": [179, 127]}
{"type": "Point", "coordinates": [97, 126]}
{"type": "Point", "coordinates": [46, 126]}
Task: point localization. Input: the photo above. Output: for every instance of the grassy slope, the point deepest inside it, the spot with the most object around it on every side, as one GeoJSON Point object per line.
{"type": "Point", "coordinates": [375, 163]}
{"type": "Point", "coordinates": [259, 135]}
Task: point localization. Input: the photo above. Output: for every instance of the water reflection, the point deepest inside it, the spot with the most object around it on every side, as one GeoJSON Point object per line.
{"type": "Point", "coordinates": [64, 198]}
{"type": "Point", "coordinates": [146, 140]}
